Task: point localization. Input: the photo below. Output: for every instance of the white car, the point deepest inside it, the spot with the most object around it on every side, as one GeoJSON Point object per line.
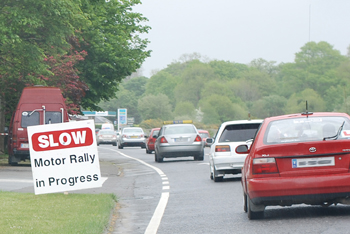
{"type": "Point", "coordinates": [222, 156]}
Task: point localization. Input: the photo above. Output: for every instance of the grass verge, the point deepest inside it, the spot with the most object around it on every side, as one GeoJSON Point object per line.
{"type": "Point", "coordinates": [55, 213]}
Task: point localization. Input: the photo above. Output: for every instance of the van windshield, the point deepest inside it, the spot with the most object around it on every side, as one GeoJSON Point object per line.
{"type": "Point", "coordinates": [30, 120]}
{"type": "Point", "coordinates": [53, 117]}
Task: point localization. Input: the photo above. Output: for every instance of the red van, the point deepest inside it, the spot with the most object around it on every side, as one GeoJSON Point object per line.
{"type": "Point", "coordinates": [38, 105]}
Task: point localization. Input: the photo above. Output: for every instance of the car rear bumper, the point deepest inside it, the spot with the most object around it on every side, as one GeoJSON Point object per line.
{"type": "Point", "coordinates": [297, 190]}
{"type": "Point", "coordinates": [232, 162]}
{"type": "Point", "coordinates": [107, 142]}
{"type": "Point", "coordinates": [133, 142]}
{"type": "Point", "coordinates": [180, 151]}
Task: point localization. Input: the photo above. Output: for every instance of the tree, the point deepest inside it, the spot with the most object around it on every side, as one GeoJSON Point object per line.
{"type": "Point", "coordinates": [185, 109]}
{"type": "Point", "coordinates": [269, 106]}
{"type": "Point", "coordinates": [226, 70]}
{"type": "Point", "coordinates": [114, 47]}
{"type": "Point", "coordinates": [297, 102]}
{"type": "Point", "coordinates": [162, 83]}
{"type": "Point", "coordinates": [217, 109]}
{"type": "Point", "coordinates": [192, 82]}
{"type": "Point", "coordinates": [314, 68]}
{"type": "Point", "coordinates": [65, 76]}
{"type": "Point", "coordinates": [29, 30]}
{"type": "Point", "coordinates": [155, 107]}
{"type": "Point", "coordinates": [136, 85]}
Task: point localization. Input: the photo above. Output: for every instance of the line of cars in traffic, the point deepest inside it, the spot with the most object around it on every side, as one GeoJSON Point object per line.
{"type": "Point", "coordinates": [282, 160]}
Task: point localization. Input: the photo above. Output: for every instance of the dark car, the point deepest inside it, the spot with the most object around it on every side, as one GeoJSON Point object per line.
{"type": "Point", "coordinates": [295, 159]}
{"type": "Point", "coordinates": [151, 140]}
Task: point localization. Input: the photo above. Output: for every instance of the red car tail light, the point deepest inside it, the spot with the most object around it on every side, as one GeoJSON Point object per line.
{"type": "Point", "coordinates": [264, 166]}
{"type": "Point", "coordinates": [198, 139]}
{"type": "Point", "coordinates": [163, 140]}
{"type": "Point", "coordinates": [222, 148]}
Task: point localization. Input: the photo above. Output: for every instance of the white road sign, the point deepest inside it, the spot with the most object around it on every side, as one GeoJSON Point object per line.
{"type": "Point", "coordinates": [64, 157]}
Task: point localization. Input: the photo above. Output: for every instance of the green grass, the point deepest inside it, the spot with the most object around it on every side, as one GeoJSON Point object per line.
{"type": "Point", "coordinates": [55, 213]}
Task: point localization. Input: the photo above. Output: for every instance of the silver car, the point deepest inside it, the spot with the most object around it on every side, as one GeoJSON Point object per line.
{"type": "Point", "coordinates": [178, 140]}
{"type": "Point", "coordinates": [131, 136]}
{"type": "Point", "coordinates": [222, 156]}
{"type": "Point", "coordinates": [106, 136]}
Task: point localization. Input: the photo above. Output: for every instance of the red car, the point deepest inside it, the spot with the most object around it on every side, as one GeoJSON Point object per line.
{"type": "Point", "coordinates": [204, 134]}
{"type": "Point", "coordinates": [150, 140]}
{"type": "Point", "coordinates": [295, 159]}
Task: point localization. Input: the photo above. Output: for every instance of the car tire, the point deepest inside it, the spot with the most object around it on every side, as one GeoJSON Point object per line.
{"type": "Point", "coordinates": [12, 160]}
{"type": "Point", "coordinates": [217, 178]}
{"type": "Point", "coordinates": [254, 214]}
{"type": "Point", "coordinates": [114, 144]}
{"type": "Point", "coordinates": [245, 202]}
{"type": "Point", "coordinates": [201, 156]}
{"type": "Point", "coordinates": [120, 146]}
{"type": "Point", "coordinates": [157, 158]}
{"type": "Point", "coordinates": [143, 146]}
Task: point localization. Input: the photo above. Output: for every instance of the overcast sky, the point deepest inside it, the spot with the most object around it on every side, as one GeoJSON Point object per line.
{"type": "Point", "coordinates": [241, 30]}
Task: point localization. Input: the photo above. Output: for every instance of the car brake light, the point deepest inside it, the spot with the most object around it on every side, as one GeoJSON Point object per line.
{"type": "Point", "coordinates": [264, 166]}
{"type": "Point", "coordinates": [163, 140]}
{"type": "Point", "coordinates": [222, 148]}
{"type": "Point", "coordinates": [198, 138]}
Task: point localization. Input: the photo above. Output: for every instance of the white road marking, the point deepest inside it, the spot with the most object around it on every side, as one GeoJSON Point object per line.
{"type": "Point", "coordinates": [16, 181]}
{"type": "Point", "coordinates": [159, 211]}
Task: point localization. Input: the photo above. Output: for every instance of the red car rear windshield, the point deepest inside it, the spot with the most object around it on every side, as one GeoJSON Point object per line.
{"type": "Point", "coordinates": [307, 129]}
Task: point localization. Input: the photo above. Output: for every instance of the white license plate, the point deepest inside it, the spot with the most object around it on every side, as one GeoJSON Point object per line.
{"type": "Point", "coordinates": [181, 139]}
{"type": "Point", "coordinates": [24, 145]}
{"type": "Point", "coordinates": [313, 162]}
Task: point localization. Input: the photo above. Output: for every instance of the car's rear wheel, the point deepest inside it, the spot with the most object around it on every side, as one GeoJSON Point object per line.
{"type": "Point", "coordinates": [13, 161]}
{"type": "Point", "coordinates": [157, 157]}
{"type": "Point", "coordinates": [217, 178]}
{"type": "Point", "coordinates": [254, 211]}
{"type": "Point", "coordinates": [199, 157]}
{"type": "Point", "coordinates": [245, 202]}
{"type": "Point", "coordinates": [120, 146]}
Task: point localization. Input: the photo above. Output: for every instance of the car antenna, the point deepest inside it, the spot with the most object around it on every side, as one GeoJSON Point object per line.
{"type": "Point", "coordinates": [307, 113]}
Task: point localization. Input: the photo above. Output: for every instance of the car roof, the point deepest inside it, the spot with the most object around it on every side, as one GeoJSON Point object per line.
{"type": "Point", "coordinates": [178, 125]}
{"type": "Point", "coordinates": [242, 121]}
{"type": "Point", "coordinates": [300, 115]}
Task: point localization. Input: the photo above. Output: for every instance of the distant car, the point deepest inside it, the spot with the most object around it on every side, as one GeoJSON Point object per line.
{"type": "Point", "coordinates": [222, 156]}
{"type": "Point", "coordinates": [150, 140]}
{"type": "Point", "coordinates": [297, 159]}
{"type": "Point", "coordinates": [178, 140]}
{"type": "Point", "coordinates": [131, 137]}
{"type": "Point", "coordinates": [204, 134]}
{"type": "Point", "coordinates": [106, 136]}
